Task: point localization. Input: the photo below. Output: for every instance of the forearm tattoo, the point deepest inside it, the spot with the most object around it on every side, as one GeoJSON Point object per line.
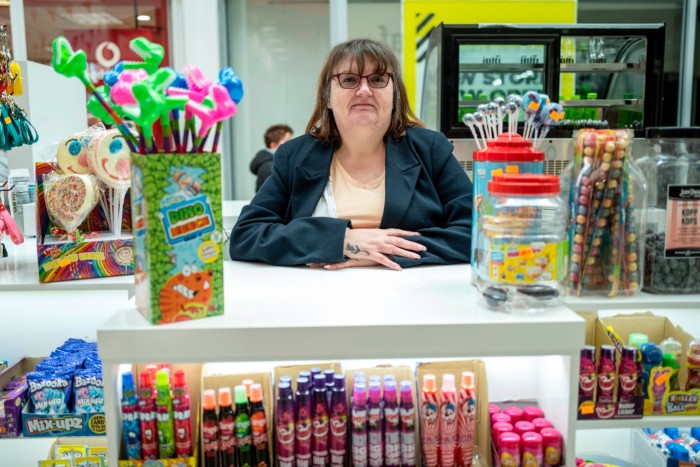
{"type": "Point", "coordinates": [355, 249]}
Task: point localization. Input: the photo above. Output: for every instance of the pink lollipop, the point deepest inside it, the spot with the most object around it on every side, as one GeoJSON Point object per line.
{"type": "Point", "coordinates": [199, 86]}
{"type": "Point", "coordinates": [121, 93]}
{"type": "Point", "coordinates": [224, 107]}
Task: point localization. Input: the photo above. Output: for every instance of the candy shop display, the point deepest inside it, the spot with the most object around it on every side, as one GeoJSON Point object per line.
{"type": "Point", "coordinates": [158, 414]}
{"type": "Point", "coordinates": [672, 168]}
{"type": "Point", "coordinates": [12, 397]}
{"type": "Point", "coordinates": [673, 445]}
{"type": "Point", "coordinates": [176, 184]}
{"type": "Point", "coordinates": [523, 437]}
{"type": "Point", "coordinates": [76, 452]}
{"type": "Point", "coordinates": [500, 153]}
{"type": "Point", "coordinates": [522, 244]}
{"type": "Point", "coordinates": [607, 197]}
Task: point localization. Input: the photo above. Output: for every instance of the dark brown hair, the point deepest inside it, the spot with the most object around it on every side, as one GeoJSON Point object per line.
{"type": "Point", "coordinates": [275, 133]}
{"type": "Point", "coordinates": [322, 124]}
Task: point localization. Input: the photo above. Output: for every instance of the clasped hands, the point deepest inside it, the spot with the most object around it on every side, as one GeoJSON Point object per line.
{"type": "Point", "coordinates": [372, 247]}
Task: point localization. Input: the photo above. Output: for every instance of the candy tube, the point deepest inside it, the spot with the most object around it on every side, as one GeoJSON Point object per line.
{"type": "Point", "coordinates": [147, 416]}
{"type": "Point", "coordinates": [303, 423]}
{"type": "Point", "coordinates": [392, 423]}
{"type": "Point", "coordinates": [448, 421]}
{"type": "Point", "coordinates": [359, 425]}
{"type": "Point", "coordinates": [210, 429]}
{"type": "Point", "coordinates": [164, 414]}
{"type": "Point", "coordinates": [408, 428]}
{"type": "Point", "coordinates": [182, 416]}
{"type": "Point", "coordinates": [319, 439]}
{"type": "Point", "coordinates": [227, 437]}
{"type": "Point", "coordinates": [339, 422]}
{"type": "Point", "coordinates": [284, 423]}
{"type": "Point", "coordinates": [466, 419]}
{"type": "Point", "coordinates": [130, 418]}
{"type": "Point", "coordinates": [430, 427]}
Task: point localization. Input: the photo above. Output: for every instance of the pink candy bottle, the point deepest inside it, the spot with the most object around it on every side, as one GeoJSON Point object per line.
{"type": "Point", "coordinates": [448, 421]}
{"type": "Point", "coordinates": [586, 374]}
{"type": "Point", "coordinates": [531, 449]}
{"type": "Point", "coordinates": [693, 365]}
{"type": "Point", "coordinates": [552, 446]}
{"type": "Point", "coordinates": [466, 420]}
{"type": "Point", "coordinates": [509, 450]}
{"type": "Point", "coordinates": [627, 374]}
{"type": "Point", "coordinates": [606, 373]}
{"type": "Point", "coordinates": [430, 425]}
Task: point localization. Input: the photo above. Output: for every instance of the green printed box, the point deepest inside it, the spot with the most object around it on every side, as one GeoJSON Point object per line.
{"type": "Point", "coordinates": [178, 236]}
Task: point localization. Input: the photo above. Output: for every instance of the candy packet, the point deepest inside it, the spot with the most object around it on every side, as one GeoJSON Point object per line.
{"type": "Point", "coordinates": [70, 198]}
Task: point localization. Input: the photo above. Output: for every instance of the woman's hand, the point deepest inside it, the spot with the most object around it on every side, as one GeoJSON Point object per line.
{"type": "Point", "coordinates": [368, 247]}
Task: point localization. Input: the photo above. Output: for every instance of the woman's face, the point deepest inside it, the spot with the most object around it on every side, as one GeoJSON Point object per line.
{"type": "Point", "coordinates": [363, 106]}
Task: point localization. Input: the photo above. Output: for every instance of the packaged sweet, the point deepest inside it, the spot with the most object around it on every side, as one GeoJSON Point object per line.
{"type": "Point", "coordinates": [70, 198]}
{"type": "Point", "coordinates": [72, 151]}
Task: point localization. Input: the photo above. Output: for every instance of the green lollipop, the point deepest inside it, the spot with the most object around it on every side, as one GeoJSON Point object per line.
{"type": "Point", "coordinates": [74, 65]}
{"type": "Point", "coordinates": [152, 55]}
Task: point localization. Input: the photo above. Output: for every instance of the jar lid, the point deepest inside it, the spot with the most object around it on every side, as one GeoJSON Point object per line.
{"type": "Point", "coordinates": [550, 434]}
{"type": "Point", "coordinates": [523, 427]}
{"type": "Point", "coordinates": [531, 440]}
{"type": "Point", "coordinates": [673, 132]}
{"type": "Point", "coordinates": [524, 185]}
{"type": "Point", "coordinates": [508, 147]}
{"type": "Point", "coordinates": [510, 441]}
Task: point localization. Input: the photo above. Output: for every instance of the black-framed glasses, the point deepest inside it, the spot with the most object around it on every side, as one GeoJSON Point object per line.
{"type": "Point", "coordinates": [353, 80]}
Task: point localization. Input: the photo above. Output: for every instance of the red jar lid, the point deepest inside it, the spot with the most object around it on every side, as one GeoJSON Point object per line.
{"type": "Point", "coordinates": [510, 441]}
{"type": "Point", "coordinates": [531, 441]}
{"type": "Point", "coordinates": [508, 148]}
{"type": "Point", "coordinates": [531, 412]}
{"type": "Point", "coordinates": [500, 417]}
{"type": "Point", "coordinates": [541, 424]}
{"type": "Point", "coordinates": [524, 185]}
{"type": "Point", "coordinates": [523, 427]}
{"type": "Point", "coordinates": [515, 413]}
{"type": "Point", "coordinates": [550, 436]}
{"type": "Point", "coordinates": [493, 408]}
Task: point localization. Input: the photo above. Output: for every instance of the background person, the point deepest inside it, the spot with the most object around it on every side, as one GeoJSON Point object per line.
{"type": "Point", "coordinates": [261, 165]}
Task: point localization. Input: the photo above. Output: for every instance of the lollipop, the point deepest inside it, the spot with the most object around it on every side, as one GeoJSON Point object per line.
{"type": "Point", "coordinates": [121, 91]}
{"type": "Point", "coordinates": [112, 75]}
{"type": "Point", "coordinates": [109, 159]}
{"type": "Point", "coordinates": [550, 116]}
{"type": "Point", "coordinates": [151, 53]}
{"type": "Point", "coordinates": [198, 88]}
{"type": "Point", "coordinates": [229, 80]}
{"type": "Point", "coordinates": [70, 198]}
{"type": "Point", "coordinates": [74, 64]}
{"type": "Point", "coordinates": [72, 154]}
{"type": "Point", "coordinates": [224, 108]}
{"type": "Point", "coordinates": [180, 83]}
{"type": "Point", "coordinates": [469, 120]}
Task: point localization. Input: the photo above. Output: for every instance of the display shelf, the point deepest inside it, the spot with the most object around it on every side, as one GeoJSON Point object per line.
{"type": "Point", "coordinates": [655, 422]}
{"type": "Point", "coordinates": [602, 67]}
{"type": "Point", "coordinates": [602, 102]}
{"type": "Point", "coordinates": [20, 272]}
{"type": "Point", "coordinates": [639, 301]}
{"type": "Point", "coordinates": [300, 314]}
{"type": "Point", "coordinates": [501, 67]}
{"type": "Point", "coordinates": [24, 451]}
{"type": "Point", "coordinates": [303, 313]}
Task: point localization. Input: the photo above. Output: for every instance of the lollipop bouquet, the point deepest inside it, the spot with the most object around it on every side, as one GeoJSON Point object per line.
{"type": "Point", "coordinates": [174, 173]}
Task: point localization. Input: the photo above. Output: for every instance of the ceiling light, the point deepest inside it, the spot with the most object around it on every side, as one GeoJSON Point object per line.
{"type": "Point", "coordinates": [143, 18]}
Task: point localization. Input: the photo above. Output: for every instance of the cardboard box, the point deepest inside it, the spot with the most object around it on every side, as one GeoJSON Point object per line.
{"type": "Point", "coordinates": [589, 408]}
{"type": "Point", "coordinates": [482, 431]}
{"type": "Point", "coordinates": [96, 446]}
{"type": "Point", "coordinates": [401, 373]}
{"type": "Point", "coordinates": [660, 399]}
{"type": "Point", "coordinates": [66, 261]}
{"type": "Point", "coordinates": [11, 409]}
{"type": "Point", "coordinates": [217, 381]}
{"type": "Point", "coordinates": [178, 236]}
{"type": "Point", "coordinates": [193, 375]}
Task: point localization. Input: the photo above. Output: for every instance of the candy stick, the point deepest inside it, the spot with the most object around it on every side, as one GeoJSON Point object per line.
{"type": "Point", "coordinates": [180, 82]}
{"type": "Point", "coordinates": [501, 103]}
{"type": "Point", "coordinates": [229, 80]}
{"type": "Point", "coordinates": [479, 122]}
{"type": "Point", "coordinates": [494, 112]}
{"type": "Point", "coordinates": [74, 64]}
{"type": "Point", "coordinates": [512, 111]}
{"type": "Point", "coordinates": [469, 120]}
{"type": "Point", "coordinates": [198, 89]}
{"type": "Point", "coordinates": [551, 116]}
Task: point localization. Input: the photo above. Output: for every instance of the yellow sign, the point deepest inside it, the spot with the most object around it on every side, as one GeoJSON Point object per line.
{"type": "Point", "coordinates": [421, 16]}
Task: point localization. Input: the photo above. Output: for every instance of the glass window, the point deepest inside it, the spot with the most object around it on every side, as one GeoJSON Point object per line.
{"type": "Point", "coordinates": [647, 11]}
{"type": "Point", "coordinates": [102, 28]}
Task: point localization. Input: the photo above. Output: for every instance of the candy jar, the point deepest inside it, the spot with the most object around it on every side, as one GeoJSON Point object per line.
{"type": "Point", "coordinates": [607, 202]}
{"type": "Point", "coordinates": [521, 260]}
{"type": "Point", "coordinates": [672, 237]}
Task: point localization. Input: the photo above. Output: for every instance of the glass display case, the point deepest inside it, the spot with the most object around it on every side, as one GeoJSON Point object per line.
{"type": "Point", "coordinates": [605, 75]}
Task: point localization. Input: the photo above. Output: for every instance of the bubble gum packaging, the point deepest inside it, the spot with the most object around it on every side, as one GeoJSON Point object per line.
{"type": "Point", "coordinates": [50, 392]}
{"type": "Point", "coordinates": [88, 391]}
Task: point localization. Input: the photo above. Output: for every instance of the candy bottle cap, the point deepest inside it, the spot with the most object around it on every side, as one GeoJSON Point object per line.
{"type": "Point", "coordinates": [523, 427]}
{"type": "Point", "coordinates": [256, 393]}
{"type": "Point", "coordinates": [284, 390]}
{"type": "Point", "coordinates": [550, 435]}
{"type": "Point", "coordinates": [541, 424]}
{"type": "Point", "coordinates": [209, 399]}
{"type": "Point", "coordinates": [588, 352]}
{"type": "Point", "coordinates": [468, 379]}
{"type": "Point", "coordinates": [339, 382]}
{"type": "Point", "coordinates": [305, 374]}
{"type": "Point", "coordinates": [224, 396]}
{"type": "Point", "coordinates": [406, 391]}
{"type": "Point", "coordinates": [637, 339]}
{"type": "Point", "coordinates": [180, 379]}
{"type": "Point", "coordinates": [510, 441]}
{"type": "Point", "coordinates": [493, 408]}
{"type": "Point", "coordinates": [145, 380]}
{"type": "Point", "coordinates": [286, 379]}
{"type": "Point", "coordinates": [240, 394]}
{"type": "Point", "coordinates": [375, 391]}
{"type": "Point", "coordinates": [246, 383]}
{"type": "Point", "coordinates": [607, 352]}
{"type": "Point", "coordinates": [651, 353]}
{"type": "Point", "coordinates": [531, 440]}
{"type": "Point", "coordinates": [162, 379]}
{"type": "Point", "coordinates": [429, 384]}
{"type": "Point", "coordinates": [501, 417]}
{"type": "Point", "coordinates": [532, 412]}
{"type": "Point", "coordinates": [302, 384]}
{"type": "Point", "coordinates": [359, 394]}
{"type": "Point", "coordinates": [319, 382]}
{"type": "Point", "coordinates": [448, 382]}
{"type": "Point", "coordinates": [128, 389]}
{"type": "Point", "coordinates": [629, 353]}
{"type": "Point", "coordinates": [390, 390]}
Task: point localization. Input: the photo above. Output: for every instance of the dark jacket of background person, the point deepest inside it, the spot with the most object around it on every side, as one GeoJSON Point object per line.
{"type": "Point", "coordinates": [261, 166]}
{"type": "Point", "coordinates": [427, 191]}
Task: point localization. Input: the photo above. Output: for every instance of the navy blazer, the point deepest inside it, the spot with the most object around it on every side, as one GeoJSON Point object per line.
{"type": "Point", "coordinates": [427, 191]}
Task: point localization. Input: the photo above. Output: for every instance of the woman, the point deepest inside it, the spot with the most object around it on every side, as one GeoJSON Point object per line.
{"type": "Point", "coordinates": [366, 186]}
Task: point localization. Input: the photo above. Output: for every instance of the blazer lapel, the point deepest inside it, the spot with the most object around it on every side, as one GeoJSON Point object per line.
{"type": "Point", "coordinates": [310, 179]}
{"type": "Point", "coordinates": [402, 170]}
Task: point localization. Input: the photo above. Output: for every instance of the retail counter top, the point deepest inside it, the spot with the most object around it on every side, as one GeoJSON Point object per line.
{"type": "Point", "coordinates": [299, 313]}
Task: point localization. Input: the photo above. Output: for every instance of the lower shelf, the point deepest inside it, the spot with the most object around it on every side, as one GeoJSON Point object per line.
{"type": "Point", "coordinates": [655, 422]}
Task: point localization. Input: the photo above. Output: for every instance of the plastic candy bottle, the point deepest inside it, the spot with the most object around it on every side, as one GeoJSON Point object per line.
{"type": "Point", "coordinates": [430, 427]}
{"type": "Point", "coordinates": [258, 423]}
{"type": "Point", "coordinates": [693, 365]}
{"type": "Point", "coordinates": [375, 420]}
{"type": "Point", "coordinates": [627, 374]}
{"type": "Point", "coordinates": [466, 419]}
{"type": "Point", "coordinates": [339, 422]}
{"type": "Point", "coordinates": [672, 350]}
{"type": "Point", "coordinates": [131, 427]}
{"type": "Point", "coordinates": [147, 416]}
{"type": "Point", "coordinates": [244, 442]}
{"type": "Point", "coordinates": [164, 416]}
{"type": "Point", "coordinates": [284, 422]}
{"type": "Point", "coordinates": [303, 423]}
{"type": "Point", "coordinates": [210, 429]}
{"type": "Point", "coordinates": [606, 373]}
{"type": "Point", "coordinates": [586, 374]}
{"type": "Point", "coordinates": [359, 425]}
{"type": "Point", "coordinates": [227, 435]}
{"type": "Point", "coordinates": [319, 440]}
{"type": "Point", "coordinates": [392, 425]}
{"type": "Point", "coordinates": [407, 412]}
{"type": "Point", "coordinates": [182, 416]}
{"type": "Point", "coordinates": [448, 421]}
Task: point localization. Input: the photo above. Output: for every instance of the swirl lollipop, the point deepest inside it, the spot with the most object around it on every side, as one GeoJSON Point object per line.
{"type": "Point", "coordinates": [74, 64]}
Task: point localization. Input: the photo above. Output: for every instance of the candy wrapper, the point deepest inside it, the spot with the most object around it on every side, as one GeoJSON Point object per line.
{"type": "Point", "coordinates": [72, 151]}
{"type": "Point", "coordinates": [88, 391]}
{"type": "Point", "coordinates": [70, 198]}
{"type": "Point", "coordinates": [50, 392]}
{"type": "Point", "coordinates": [607, 195]}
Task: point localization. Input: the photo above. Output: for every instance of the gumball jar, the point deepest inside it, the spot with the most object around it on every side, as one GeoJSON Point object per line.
{"type": "Point", "coordinates": [672, 236]}
{"type": "Point", "coordinates": [607, 205]}
{"type": "Point", "coordinates": [522, 247]}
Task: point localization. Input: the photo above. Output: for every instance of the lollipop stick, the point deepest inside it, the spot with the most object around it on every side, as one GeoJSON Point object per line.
{"type": "Point", "coordinates": [166, 133]}
{"type": "Point", "coordinates": [117, 119]}
{"type": "Point", "coordinates": [217, 133]}
{"type": "Point", "coordinates": [175, 124]}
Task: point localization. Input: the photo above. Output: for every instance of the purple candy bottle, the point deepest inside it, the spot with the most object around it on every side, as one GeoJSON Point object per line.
{"type": "Point", "coordinates": [392, 424]}
{"type": "Point", "coordinates": [359, 425]}
{"type": "Point", "coordinates": [319, 440]}
{"type": "Point", "coordinates": [586, 374]}
{"type": "Point", "coordinates": [284, 422]}
{"type": "Point", "coordinates": [407, 412]}
{"type": "Point", "coordinates": [375, 419]}
{"type": "Point", "coordinates": [303, 423]}
{"type": "Point", "coordinates": [339, 422]}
